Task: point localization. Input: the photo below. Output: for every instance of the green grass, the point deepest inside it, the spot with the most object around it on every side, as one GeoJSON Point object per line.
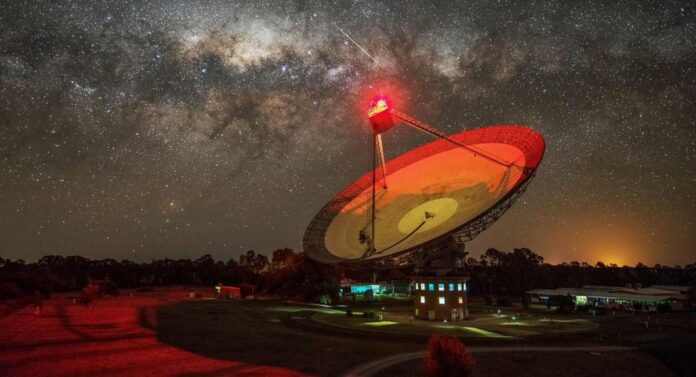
{"type": "Point", "coordinates": [252, 332]}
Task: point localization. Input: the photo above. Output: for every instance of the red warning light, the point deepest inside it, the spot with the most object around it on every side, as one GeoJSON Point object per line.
{"type": "Point", "coordinates": [380, 115]}
{"type": "Point", "coordinates": [378, 105]}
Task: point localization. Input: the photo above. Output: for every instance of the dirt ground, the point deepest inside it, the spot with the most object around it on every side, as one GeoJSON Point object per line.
{"type": "Point", "coordinates": [115, 337]}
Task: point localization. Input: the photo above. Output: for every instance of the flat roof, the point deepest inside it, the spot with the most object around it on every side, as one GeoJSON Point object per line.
{"type": "Point", "coordinates": [621, 295]}
{"type": "Point", "coordinates": [440, 278]}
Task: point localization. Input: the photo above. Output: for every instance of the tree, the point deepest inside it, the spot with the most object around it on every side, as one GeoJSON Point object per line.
{"type": "Point", "coordinates": [447, 357]}
{"type": "Point", "coordinates": [563, 304]}
{"type": "Point", "coordinates": [282, 258]}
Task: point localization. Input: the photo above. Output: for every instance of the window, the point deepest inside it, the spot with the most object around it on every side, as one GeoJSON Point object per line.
{"type": "Point", "coordinates": [464, 287]}
{"type": "Point", "coordinates": [422, 286]}
{"type": "Point", "coordinates": [461, 300]}
{"type": "Point", "coordinates": [441, 300]}
{"type": "Point", "coordinates": [422, 299]}
{"type": "Point", "coordinates": [451, 287]}
{"type": "Point", "coordinates": [459, 286]}
{"type": "Point", "coordinates": [441, 287]}
{"type": "Point", "coordinates": [431, 286]}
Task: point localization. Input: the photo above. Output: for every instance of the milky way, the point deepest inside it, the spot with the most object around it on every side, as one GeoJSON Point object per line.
{"type": "Point", "coordinates": [177, 129]}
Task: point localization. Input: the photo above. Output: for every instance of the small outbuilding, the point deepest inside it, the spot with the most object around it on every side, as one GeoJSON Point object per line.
{"type": "Point", "coordinates": [228, 292]}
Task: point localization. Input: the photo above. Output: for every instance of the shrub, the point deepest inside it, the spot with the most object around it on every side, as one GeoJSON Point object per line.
{"type": "Point", "coordinates": [107, 288]}
{"type": "Point", "coordinates": [502, 301]}
{"type": "Point", "coordinates": [525, 302]}
{"type": "Point", "coordinates": [583, 308]}
{"type": "Point", "coordinates": [563, 304]}
{"type": "Point", "coordinates": [447, 357]}
{"type": "Point", "coordinates": [89, 294]}
{"type": "Point", "coordinates": [325, 299]}
{"type": "Point", "coordinates": [664, 307]}
{"type": "Point", "coordinates": [9, 291]}
{"type": "Point", "coordinates": [246, 289]}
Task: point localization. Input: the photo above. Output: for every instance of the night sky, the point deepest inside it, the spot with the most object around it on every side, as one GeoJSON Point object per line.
{"type": "Point", "coordinates": [178, 129]}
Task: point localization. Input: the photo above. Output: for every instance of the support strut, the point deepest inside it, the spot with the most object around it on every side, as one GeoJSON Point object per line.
{"type": "Point", "coordinates": [426, 128]}
{"type": "Point", "coordinates": [382, 162]}
{"type": "Point", "coordinates": [375, 139]}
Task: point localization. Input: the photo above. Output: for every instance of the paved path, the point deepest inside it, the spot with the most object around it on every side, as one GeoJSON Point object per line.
{"type": "Point", "coordinates": [374, 367]}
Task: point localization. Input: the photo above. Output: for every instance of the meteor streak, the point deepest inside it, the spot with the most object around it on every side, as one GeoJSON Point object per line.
{"type": "Point", "coordinates": [359, 46]}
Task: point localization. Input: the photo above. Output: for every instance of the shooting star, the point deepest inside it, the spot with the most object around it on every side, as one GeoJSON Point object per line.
{"type": "Point", "coordinates": [359, 46]}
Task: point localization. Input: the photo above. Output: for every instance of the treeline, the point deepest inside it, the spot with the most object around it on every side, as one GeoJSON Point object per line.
{"type": "Point", "coordinates": [514, 273]}
{"type": "Point", "coordinates": [287, 274]}
{"type": "Point", "coordinates": [295, 276]}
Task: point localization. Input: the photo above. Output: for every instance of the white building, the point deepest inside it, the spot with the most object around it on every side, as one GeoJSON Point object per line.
{"type": "Point", "coordinates": [617, 297]}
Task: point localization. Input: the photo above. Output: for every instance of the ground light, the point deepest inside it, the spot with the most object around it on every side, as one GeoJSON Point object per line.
{"type": "Point", "coordinates": [380, 323]}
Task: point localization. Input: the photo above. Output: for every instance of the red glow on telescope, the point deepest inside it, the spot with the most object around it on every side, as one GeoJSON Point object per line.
{"type": "Point", "coordinates": [378, 105]}
{"type": "Point", "coordinates": [379, 114]}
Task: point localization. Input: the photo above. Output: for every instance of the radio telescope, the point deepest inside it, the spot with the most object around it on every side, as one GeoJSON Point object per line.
{"type": "Point", "coordinates": [420, 204]}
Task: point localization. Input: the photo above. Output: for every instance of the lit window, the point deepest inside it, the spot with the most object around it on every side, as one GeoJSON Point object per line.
{"type": "Point", "coordinates": [464, 287]}
{"type": "Point", "coordinates": [422, 285]}
{"type": "Point", "coordinates": [461, 300]}
{"type": "Point", "coordinates": [441, 300]}
{"type": "Point", "coordinates": [422, 299]}
{"type": "Point", "coordinates": [441, 287]}
{"type": "Point", "coordinates": [459, 286]}
{"type": "Point", "coordinates": [451, 287]}
{"type": "Point", "coordinates": [431, 286]}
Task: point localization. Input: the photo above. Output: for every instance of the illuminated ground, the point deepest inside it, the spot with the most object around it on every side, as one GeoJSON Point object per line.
{"type": "Point", "coordinates": [507, 325]}
{"type": "Point", "coordinates": [165, 334]}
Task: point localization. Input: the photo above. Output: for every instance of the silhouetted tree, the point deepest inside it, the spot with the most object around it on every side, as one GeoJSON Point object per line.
{"type": "Point", "coordinates": [447, 357]}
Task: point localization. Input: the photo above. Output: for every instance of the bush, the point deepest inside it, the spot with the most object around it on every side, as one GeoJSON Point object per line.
{"type": "Point", "coordinates": [246, 289]}
{"type": "Point", "coordinates": [525, 302]}
{"type": "Point", "coordinates": [107, 288]}
{"type": "Point", "coordinates": [89, 294]}
{"type": "Point", "coordinates": [502, 301]}
{"type": "Point", "coordinates": [664, 307]}
{"type": "Point", "coordinates": [563, 304]}
{"type": "Point", "coordinates": [447, 357]}
{"type": "Point", "coordinates": [9, 291]}
{"type": "Point", "coordinates": [583, 308]}
{"type": "Point", "coordinates": [599, 311]}
{"type": "Point", "coordinates": [325, 299]}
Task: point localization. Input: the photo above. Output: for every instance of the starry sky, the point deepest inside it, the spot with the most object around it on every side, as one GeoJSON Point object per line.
{"type": "Point", "coordinates": [176, 129]}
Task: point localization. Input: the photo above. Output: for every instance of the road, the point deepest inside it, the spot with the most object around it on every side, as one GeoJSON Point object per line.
{"type": "Point", "coordinates": [374, 367]}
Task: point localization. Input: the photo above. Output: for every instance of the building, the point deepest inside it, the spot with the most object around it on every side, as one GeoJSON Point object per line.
{"type": "Point", "coordinates": [440, 298]}
{"type": "Point", "coordinates": [615, 297]}
{"type": "Point", "coordinates": [228, 292]}
{"type": "Point", "coordinates": [352, 287]}
{"type": "Point", "coordinates": [685, 290]}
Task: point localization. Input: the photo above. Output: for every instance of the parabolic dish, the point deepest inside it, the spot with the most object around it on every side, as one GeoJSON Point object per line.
{"type": "Point", "coordinates": [432, 191]}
